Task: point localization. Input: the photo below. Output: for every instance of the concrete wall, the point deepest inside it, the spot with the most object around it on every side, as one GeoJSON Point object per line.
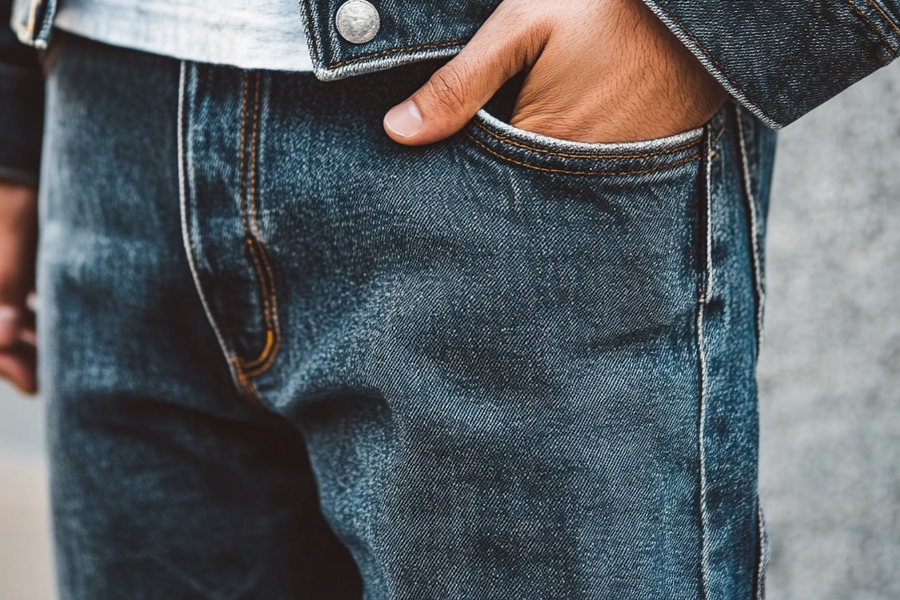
{"type": "Point", "coordinates": [830, 371]}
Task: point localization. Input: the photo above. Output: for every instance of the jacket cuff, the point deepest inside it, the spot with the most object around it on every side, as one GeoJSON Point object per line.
{"type": "Point", "coordinates": [782, 58]}
{"type": "Point", "coordinates": [21, 121]}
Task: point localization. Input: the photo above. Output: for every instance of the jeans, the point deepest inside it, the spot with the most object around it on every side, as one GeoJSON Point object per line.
{"type": "Point", "coordinates": [286, 357]}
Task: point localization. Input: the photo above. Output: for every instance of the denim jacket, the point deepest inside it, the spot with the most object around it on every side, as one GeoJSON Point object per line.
{"type": "Point", "coordinates": [779, 58]}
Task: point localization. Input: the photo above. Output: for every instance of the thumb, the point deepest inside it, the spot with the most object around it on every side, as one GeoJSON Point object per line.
{"type": "Point", "coordinates": [457, 90]}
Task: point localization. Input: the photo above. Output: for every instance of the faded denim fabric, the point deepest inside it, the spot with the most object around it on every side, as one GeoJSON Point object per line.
{"type": "Point", "coordinates": [503, 366]}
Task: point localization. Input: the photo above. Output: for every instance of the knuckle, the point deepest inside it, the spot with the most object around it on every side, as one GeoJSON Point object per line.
{"type": "Point", "coordinates": [447, 87]}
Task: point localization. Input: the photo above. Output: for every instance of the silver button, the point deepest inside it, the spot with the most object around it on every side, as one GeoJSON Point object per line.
{"type": "Point", "coordinates": [357, 21]}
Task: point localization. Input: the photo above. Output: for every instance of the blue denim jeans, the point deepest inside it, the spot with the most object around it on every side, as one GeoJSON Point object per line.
{"type": "Point", "coordinates": [287, 358]}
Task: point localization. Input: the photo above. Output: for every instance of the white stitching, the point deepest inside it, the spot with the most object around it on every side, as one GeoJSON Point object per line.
{"type": "Point", "coordinates": [704, 543]}
{"type": "Point", "coordinates": [763, 553]}
{"type": "Point", "coordinates": [754, 235]}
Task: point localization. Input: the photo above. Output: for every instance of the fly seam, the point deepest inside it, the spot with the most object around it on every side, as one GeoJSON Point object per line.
{"type": "Point", "coordinates": [759, 288]}
{"type": "Point", "coordinates": [183, 193]}
{"type": "Point", "coordinates": [248, 369]}
{"type": "Point", "coordinates": [267, 279]}
{"type": "Point", "coordinates": [567, 172]}
{"type": "Point", "coordinates": [512, 142]}
{"type": "Point", "coordinates": [243, 379]}
{"type": "Point", "coordinates": [257, 253]}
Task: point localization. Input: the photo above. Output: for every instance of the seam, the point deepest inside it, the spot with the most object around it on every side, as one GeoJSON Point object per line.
{"type": "Point", "coordinates": [512, 142]}
{"type": "Point", "coordinates": [394, 51]}
{"type": "Point", "coordinates": [273, 333]}
{"type": "Point", "coordinates": [763, 564]}
{"type": "Point", "coordinates": [758, 288]}
{"type": "Point", "coordinates": [887, 17]}
{"type": "Point", "coordinates": [247, 385]}
{"type": "Point", "coordinates": [249, 237]}
{"type": "Point", "coordinates": [872, 27]}
{"type": "Point", "coordinates": [718, 136]}
{"type": "Point", "coordinates": [185, 228]}
{"type": "Point", "coordinates": [248, 202]}
{"type": "Point", "coordinates": [549, 170]}
{"type": "Point", "coordinates": [701, 358]}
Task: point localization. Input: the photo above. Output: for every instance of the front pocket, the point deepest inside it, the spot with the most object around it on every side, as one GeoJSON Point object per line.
{"type": "Point", "coordinates": [542, 153]}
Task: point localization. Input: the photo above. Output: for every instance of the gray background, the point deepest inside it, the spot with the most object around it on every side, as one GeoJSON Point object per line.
{"type": "Point", "coordinates": [830, 461]}
{"type": "Point", "coordinates": [830, 371]}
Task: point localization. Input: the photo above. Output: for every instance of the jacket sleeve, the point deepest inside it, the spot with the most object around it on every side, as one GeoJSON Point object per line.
{"type": "Point", "coordinates": [782, 58]}
{"type": "Point", "coordinates": [21, 105]}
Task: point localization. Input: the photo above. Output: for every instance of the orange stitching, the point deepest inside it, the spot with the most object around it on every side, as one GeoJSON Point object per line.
{"type": "Point", "coordinates": [585, 155]}
{"type": "Point", "coordinates": [872, 27]}
{"type": "Point", "coordinates": [251, 237]}
{"type": "Point", "coordinates": [887, 18]}
{"type": "Point", "coordinates": [252, 231]}
{"type": "Point", "coordinates": [272, 325]}
{"type": "Point", "coordinates": [247, 385]}
{"type": "Point", "coordinates": [394, 51]}
{"type": "Point", "coordinates": [718, 136]}
{"type": "Point", "coordinates": [249, 240]}
{"type": "Point", "coordinates": [639, 172]}
{"type": "Point", "coordinates": [238, 362]}
{"type": "Point", "coordinates": [258, 255]}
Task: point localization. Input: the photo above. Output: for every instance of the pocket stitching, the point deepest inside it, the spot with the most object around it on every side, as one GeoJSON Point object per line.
{"type": "Point", "coordinates": [568, 172]}
{"type": "Point", "coordinates": [586, 154]}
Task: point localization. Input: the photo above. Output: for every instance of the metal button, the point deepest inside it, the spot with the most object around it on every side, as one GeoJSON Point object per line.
{"type": "Point", "coordinates": [357, 21]}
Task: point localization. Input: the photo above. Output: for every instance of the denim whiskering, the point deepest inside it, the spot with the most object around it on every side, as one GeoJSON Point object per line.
{"type": "Point", "coordinates": [499, 366]}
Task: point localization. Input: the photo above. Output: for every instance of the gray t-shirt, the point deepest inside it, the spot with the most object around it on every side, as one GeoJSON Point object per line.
{"type": "Point", "coordinates": [251, 34]}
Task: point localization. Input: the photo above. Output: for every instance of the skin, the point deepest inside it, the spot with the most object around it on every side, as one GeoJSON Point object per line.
{"type": "Point", "coordinates": [597, 71]}
{"type": "Point", "coordinates": [18, 245]}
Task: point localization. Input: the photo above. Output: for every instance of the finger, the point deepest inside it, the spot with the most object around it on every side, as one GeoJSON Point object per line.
{"type": "Point", "coordinates": [457, 90]}
{"type": "Point", "coordinates": [10, 325]}
{"type": "Point", "coordinates": [18, 239]}
{"type": "Point", "coordinates": [28, 332]}
{"type": "Point", "coordinates": [19, 367]}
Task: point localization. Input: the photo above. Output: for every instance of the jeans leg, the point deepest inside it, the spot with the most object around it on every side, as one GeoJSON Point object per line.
{"type": "Point", "coordinates": [524, 367]}
{"type": "Point", "coordinates": [165, 482]}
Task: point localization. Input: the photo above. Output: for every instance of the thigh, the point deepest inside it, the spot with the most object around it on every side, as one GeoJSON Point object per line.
{"type": "Point", "coordinates": [166, 483]}
{"type": "Point", "coordinates": [524, 367]}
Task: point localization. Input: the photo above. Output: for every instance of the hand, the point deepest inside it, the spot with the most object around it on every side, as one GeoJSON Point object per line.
{"type": "Point", "coordinates": [598, 71]}
{"type": "Point", "coordinates": [18, 246]}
